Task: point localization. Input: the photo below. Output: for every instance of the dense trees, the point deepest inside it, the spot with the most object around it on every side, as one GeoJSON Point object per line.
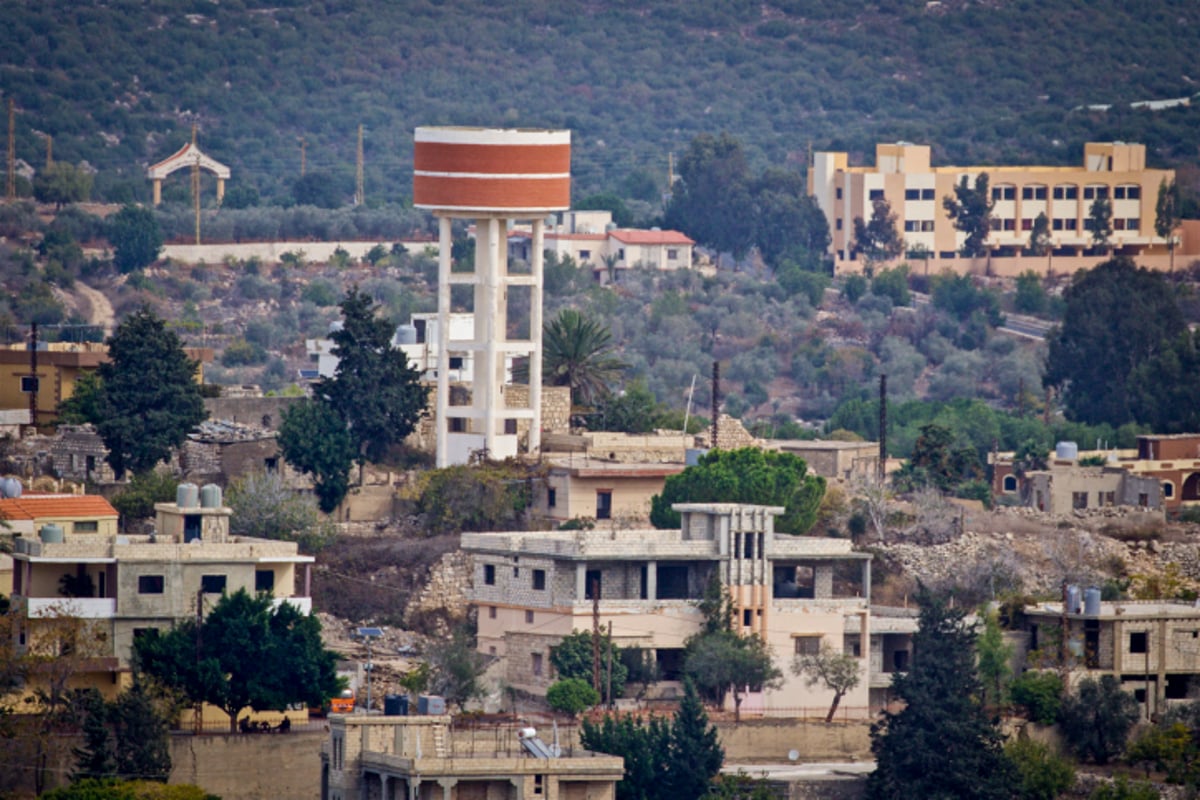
{"type": "Point", "coordinates": [149, 398]}
{"type": "Point", "coordinates": [1097, 718]}
{"type": "Point", "coordinates": [127, 738]}
{"type": "Point", "coordinates": [244, 655]}
{"type": "Point", "coordinates": [314, 439]}
{"type": "Point", "coordinates": [1167, 214]}
{"type": "Point", "coordinates": [748, 475]}
{"type": "Point", "coordinates": [136, 238]}
{"type": "Point", "coordinates": [942, 721]}
{"type": "Point", "coordinates": [1163, 388]}
{"type": "Point", "coordinates": [1117, 316]}
{"type": "Point", "coordinates": [62, 183]}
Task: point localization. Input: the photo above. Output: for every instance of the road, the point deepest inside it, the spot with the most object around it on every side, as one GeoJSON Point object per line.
{"type": "Point", "coordinates": [1014, 324]}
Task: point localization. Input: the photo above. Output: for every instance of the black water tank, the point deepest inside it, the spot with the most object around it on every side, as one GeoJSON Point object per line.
{"type": "Point", "coordinates": [395, 705]}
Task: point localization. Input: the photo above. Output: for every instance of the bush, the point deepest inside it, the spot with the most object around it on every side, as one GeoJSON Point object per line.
{"type": "Point", "coordinates": [572, 695]}
{"type": "Point", "coordinates": [1096, 720]}
{"type": "Point", "coordinates": [137, 499]}
{"type": "Point", "coordinates": [1040, 694]}
{"type": "Point", "coordinates": [1044, 775]}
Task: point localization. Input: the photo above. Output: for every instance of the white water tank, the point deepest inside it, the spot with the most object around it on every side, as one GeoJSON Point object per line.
{"type": "Point", "coordinates": [1066, 451]}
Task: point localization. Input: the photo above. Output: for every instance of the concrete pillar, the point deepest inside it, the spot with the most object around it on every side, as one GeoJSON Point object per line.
{"type": "Point", "coordinates": [866, 580]}
{"type": "Point", "coordinates": [220, 190]}
{"type": "Point", "coordinates": [447, 785]}
{"type": "Point", "coordinates": [308, 580]}
{"type": "Point", "coordinates": [651, 580]}
{"type": "Point", "coordinates": [156, 185]}
{"type": "Point", "coordinates": [493, 327]}
{"type": "Point", "coordinates": [384, 787]}
{"type": "Point", "coordinates": [537, 263]}
{"type": "Point", "coordinates": [445, 242]}
{"type": "Point", "coordinates": [580, 582]}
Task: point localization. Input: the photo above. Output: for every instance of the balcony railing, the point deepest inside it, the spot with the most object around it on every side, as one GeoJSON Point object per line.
{"type": "Point", "coordinates": [302, 604]}
{"type": "Point", "coordinates": [81, 607]}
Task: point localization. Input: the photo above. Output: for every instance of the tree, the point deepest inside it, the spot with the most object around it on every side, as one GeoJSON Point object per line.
{"type": "Point", "coordinates": [633, 410]}
{"type": "Point", "coordinates": [696, 753]}
{"type": "Point", "coordinates": [83, 406]}
{"type": "Point", "coordinates": [893, 284]}
{"type": "Point", "coordinates": [1167, 215]}
{"type": "Point", "coordinates": [1116, 317]}
{"type": "Point", "coordinates": [150, 400]}
{"type": "Point", "coordinates": [457, 667]}
{"type": "Point", "coordinates": [971, 210]}
{"type": "Point", "coordinates": [747, 475]}
{"type": "Point", "coordinates": [1122, 789]}
{"type": "Point", "coordinates": [136, 500]}
{"type": "Point", "coordinates": [1163, 388]}
{"type": "Point", "coordinates": [571, 695]}
{"type": "Point", "coordinates": [994, 655]}
{"type": "Point", "coordinates": [942, 722]}
{"type": "Point", "coordinates": [1099, 222]}
{"type": "Point", "coordinates": [374, 389]}
{"type": "Point", "coordinates": [243, 654]}
{"type": "Point", "coordinates": [62, 183]}
{"type": "Point", "coordinates": [315, 440]}
{"type": "Point", "coordinates": [1031, 295]}
{"type": "Point", "coordinates": [722, 662]}
{"type": "Point", "coordinates": [712, 198]}
{"type": "Point", "coordinates": [789, 226]}
{"type": "Point", "coordinates": [142, 734]}
{"type": "Point", "coordinates": [879, 239]}
{"type": "Point", "coordinates": [1040, 694]}
{"type": "Point", "coordinates": [266, 508]}
{"type": "Point", "coordinates": [136, 238]}
{"type": "Point", "coordinates": [94, 789]}
{"type": "Point", "coordinates": [572, 658]}
{"type": "Point", "coordinates": [1043, 774]}
{"type": "Point", "coordinates": [491, 496]}
{"type": "Point", "coordinates": [1039, 237]}
{"type": "Point", "coordinates": [622, 217]}
{"type": "Point", "coordinates": [318, 189]}
{"type": "Point", "coordinates": [937, 460]}
{"type": "Point", "coordinates": [577, 351]}
{"type": "Point", "coordinates": [1097, 718]}
{"type": "Point", "coordinates": [837, 672]}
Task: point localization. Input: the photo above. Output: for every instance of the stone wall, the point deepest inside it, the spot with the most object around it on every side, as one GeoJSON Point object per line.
{"type": "Point", "coordinates": [263, 412]}
{"type": "Point", "coordinates": [446, 591]}
{"type": "Point", "coordinates": [251, 767]}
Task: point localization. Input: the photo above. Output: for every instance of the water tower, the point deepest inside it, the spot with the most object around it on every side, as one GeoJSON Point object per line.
{"type": "Point", "coordinates": [494, 177]}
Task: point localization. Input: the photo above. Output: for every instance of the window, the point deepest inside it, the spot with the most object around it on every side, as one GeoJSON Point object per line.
{"type": "Point", "coordinates": [536, 664]}
{"type": "Point", "coordinates": [1033, 192]}
{"type": "Point", "coordinates": [552, 497]}
{"type": "Point", "coordinates": [911, 226]}
{"type": "Point", "coordinates": [1095, 193]}
{"type": "Point", "coordinates": [539, 580]}
{"type": "Point", "coordinates": [491, 612]}
{"type": "Point", "coordinates": [994, 223]}
{"type": "Point", "coordinates": [926, 225]}
{"type": "Point", "coordinates": [912, 194]}
{"type": "Point", "coordinates": [1139, 642]}
{"type": "Point", "coordinates": [528, 617]}
{"type": "Point", "coordinates": [584, 255]}
{"type": "Point", "coordinates": [1026, 224]}
{"type": "Point", "coordinates": [489, 574]}
{"type": "Point", "coordinates": [264, 580]}
{"type": "Point", "coordinates": [1072, 224]}
{"type": "Point", "coordinates": [808, 645]}
{"type": "Point", "coordinates": [927, 194]}
{"type": "Point", "coordinates": [510, 427]}
{"type": "Point", "coordinates": [212, 584]}
{"type": "Point", "coordinates": [456, 362]}
{"type": "Point", "coordinates": [747, 617]}
{"type": "Point", "coordinates": [1004, 193]}
{"type": "Point", "coordinates": [1143, 500]}
{"type": "Point", "coordinates": [1010, 224]}
{"type": "Point", "coordinates": [150, 584]}
{"type": "Point", "coordinates": [839, 223]}
{"type": "Point", "coordinates": [539, 784]}
{"type": "Point", "coordinates": [1127, 193]}
{"type": "Point", "coordinates": [457, 425]}
{"type": "Point", "coordinates": [1079, 500]}
{"type": "Point", "coordinates": [672, 254]}
{"type": "Point", "coordinates": [1168, 489]}
{"type": "Point", "coordinates": [839, 193]}
{"type": "Point", "coordinates": [1133, 224]}
{"type": "Point", "coordinates": [87, 527]}
{"type": "Point", "coordinates": [604, 504]}
{"type": "Point", "coordinates": [1010, 483]}
{"type": "Point", "coordinates": [1110, 498]}
{"type": "Point", "coordinates": [29, 384]}
{"type": "Point", "coordinates": [592, 581]}
{"type": "Point", "coordinates": [875, 194]}
{"type": "Point", "coordinates": [1118, 224]}
{"type": "Point", "coordinates": [1057, 224]}
{"type": "Point", "coordinates": [621, 254]}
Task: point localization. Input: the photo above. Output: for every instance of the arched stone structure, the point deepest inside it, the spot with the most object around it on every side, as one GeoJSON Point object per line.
{"type": "Point", "coordinates": [187, 156]}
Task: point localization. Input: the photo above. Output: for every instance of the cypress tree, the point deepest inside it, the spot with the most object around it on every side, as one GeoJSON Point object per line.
{"type": "Point", "coordinates": [696, 753]}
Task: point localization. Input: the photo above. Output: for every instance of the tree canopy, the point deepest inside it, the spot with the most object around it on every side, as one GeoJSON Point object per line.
{"type": "Point", "coordinates": [136, 238]}
{"type": "Point", "coordinates": [149, 398]}
{"type": "Point", "coordinates": [62, 183]}
{"type": "Point", "coordinates": [879, 239]}
{"type": "Point", "coordinates": [572, 658]}
{"type": "Point", "coordinates": [1163, 388]}
{"type": "Point", "coordinates": [1116, 317]}
{"type": "Point", "coordinates": [971, 209]}
{"type": "Point", "coordinates": [315, 440]}
{"type": "Point", "coordinates": [748, 475]}
{"type": "Point", "coordinates": [942, 722]}
{"type": "Point", "coordinates": [578, 351]}
{"type": "Point", "coordinates": [245, 654]}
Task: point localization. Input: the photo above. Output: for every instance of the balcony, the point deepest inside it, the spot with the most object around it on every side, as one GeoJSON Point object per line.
{"type": "Point", "coordinates": [79, 607]}
{"type": "Point", "coordinates": [301, 604]}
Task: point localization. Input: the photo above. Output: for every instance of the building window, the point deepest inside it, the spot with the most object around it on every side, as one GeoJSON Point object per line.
{"type": "Point", "coordinates": [1139, 642]}
{"type": "Point", "coordinates": [87, 527]}
{"type": "Point", "coordinates": [1010, 224]}
{"type": "Point", "coordinates": [1033, 192]}
{"type": "Point", "coordinates": [510, 427]}
{"type": "Point", "coordinates": [591, 584]}
{"type": "Point", "coordinates": [264, 580]}
{"type": "Point", "coordinates": [150, 584]}
{"type": "Point", "coordinates": [1057, 224]}
{"type": "Point", "coordinates": [457, 425]}
{"type": "Point", "coordinates": [1027, 224]}
{"type": "Point", "coordinates": [621, 254]}
{"type": "Point", "coordinates": [1168, 489]}
{"type": "Point", "coordinates": [875, 194]}
{"type": "Point", "coordinates": [1133, 224]}
{"type": "Point", "coordinates": [29, 384]}
{"type": "Point", "coordinates": [456, 362]}
{"type": "Point", "coordinates": [926, 225]}
{"type": "Point", "coordinates": [535, 664]}
{"type": "Point", "coordinates": [1079, 500]}
{"type": "Point", "coordinates": [1095, 192]}
{"type": "Point", "coordinates": [1004, 193]}
{"type": "Point", "coordinates": [1072, 224]}
{"type": "Point", "coordinates": [1010, 483]}
{"type": "Point", "coordinates": [1067, 191]}
{"type": "Point", "coordinates": [528, 617]}
{"type": "Point", "coordinates": [604, 504]}
{"type": "Point", "coordinates": [839, 223]}
{"type": "Point", "coordinates": [491, 612]}
{"type": "Point", "coordinates": [1127, 193]}
{"type": "Point", "coordinates": [539, 580]}
{"type": "Point", "coordinates": [584, 255]}
{"type": "Point", "coordinates": [911, 226]}
{"type": "Point", "coordinates": [212, 584]}
{"type": "Point", "coordinates": [672, 254]}
{"type": "Point", "coordinates": [552, 497]}
{"type": "Point", "coordinates": [839, 193]}
{"type": "Point", "coordinates": [912, 194]}
{"type": "Point", "coordinates": [927, 194]}
{"type": "Point", "coordinates": [1143, 500]}
{"type": "Point", "coordinates": [489, 574]}
{"type": "Point", "coordinates": [1110, 498]}
{"type": "Point", "coordinates": [808, 645]}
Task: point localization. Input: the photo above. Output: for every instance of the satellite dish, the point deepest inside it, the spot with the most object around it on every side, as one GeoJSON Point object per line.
{"type": "Point", "coordinates": [793, 755]}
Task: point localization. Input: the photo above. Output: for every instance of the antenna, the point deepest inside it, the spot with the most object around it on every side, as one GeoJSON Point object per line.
{"type": "Point", "coordinates": [688, 413]}
{"type": "Point", "coordinates": [359, 197]}
{"type": "Point", "coordinates": [303, 144]}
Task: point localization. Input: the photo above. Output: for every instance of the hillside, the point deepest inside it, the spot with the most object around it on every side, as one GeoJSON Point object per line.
{"type": "Point", "coordinates": [119, 83]}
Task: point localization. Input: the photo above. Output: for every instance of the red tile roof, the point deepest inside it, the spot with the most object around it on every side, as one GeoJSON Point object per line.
{"type": "Point", "coordinates": [634, 236]}
{"type": "Point", "coordinates": [58, 506]}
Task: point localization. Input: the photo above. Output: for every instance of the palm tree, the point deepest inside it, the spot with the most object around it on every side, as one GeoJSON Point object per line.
{"type": "Point", "coordinates": [577, 351]}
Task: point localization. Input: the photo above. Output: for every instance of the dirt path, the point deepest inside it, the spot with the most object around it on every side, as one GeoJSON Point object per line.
{"type": "Point", "coordinates": [97, 308]}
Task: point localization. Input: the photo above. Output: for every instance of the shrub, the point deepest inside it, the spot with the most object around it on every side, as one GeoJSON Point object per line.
{"type": "Point", "coordinates": [1040, 694]}
{"type": "Point", "coordinates": [572, 695]}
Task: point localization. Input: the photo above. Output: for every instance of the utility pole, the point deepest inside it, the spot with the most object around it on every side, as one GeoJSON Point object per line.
{"type": "Point", "coordinates": [49, 152]}
{"type": "Point", "coordinates": [33, 370]}
{"type": "Point", "coordinates": [10, 191]}
{"type": "Point", "coordinates": [716, 403]}
{"type": "Point", "coordinates": [196, 182]}
{"type": "Point", "coordinates": [596, 635]}
{"type": "Point", "coordinates": [303, 144]}
{"type": "Point", "coordinates": [882, 426]}
{"type": "Point", "coordinates": [198, 707]}
{"type": "Point", "coordinates": [359, 196]}
{"type": "Point", "coordinates": [608, 698]}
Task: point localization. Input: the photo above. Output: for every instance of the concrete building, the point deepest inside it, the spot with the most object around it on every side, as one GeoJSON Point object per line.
{"type": "Point", "coordinates": [845, 461]}
{"type": "Point", "coordinates": [122, 585]}
{"type": "Point", "coordinates": [797, 592]}
{"type": "Point", "coordinates": [903, 175]}
{"type": "Point", "coordinates": [602, 490]}
{"type": "Point", "coordinates": [493, 177]}
{"type": "Point", "coordinates": [425, 758]}
{"type": "Point", "coordinates": [1152, 647]}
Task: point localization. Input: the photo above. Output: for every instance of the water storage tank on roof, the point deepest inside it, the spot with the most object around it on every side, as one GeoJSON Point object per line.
{"type": "Point", "coordinates": [187, 495]}
{"type": "Point", "coordinates": [51, 534]}
{"type": "Point", "coordinates": [10, 487]}
{"type": "Point", "coordinates": [1066, 451]}
{"type": "Point", "coordinates": [1073, 600]}
{"type": "Point", "coordinates": [406, 334]}
{"type": "Point", "coordinates": [1091, 602]}
{"type": "Point", "coordinates": [210, 496]}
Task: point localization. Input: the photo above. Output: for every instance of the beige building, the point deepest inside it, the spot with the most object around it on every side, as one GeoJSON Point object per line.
{"type": "Point", "coordinates": [797, 592]}
{"type": "Point", "coordinates": [1152, 647]}
{"type": "Point", "coordinates": [845, 461]}
{"type": "Point", "coordinates": [425, 758]}
{"type": "Point", "coordinates": [120, 586]}
{"type": "Point", "coordinates": [914, 188]}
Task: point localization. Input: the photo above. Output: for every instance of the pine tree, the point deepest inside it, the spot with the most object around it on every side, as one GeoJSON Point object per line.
{"type": "Point", "coordinates": [941, 746]}
{"type": "Point", "coordinates": [696, 753]}
{"type": "Point", "coordinates": [143, 736]}
{"type": "Point", "coordinates": [95, 757]}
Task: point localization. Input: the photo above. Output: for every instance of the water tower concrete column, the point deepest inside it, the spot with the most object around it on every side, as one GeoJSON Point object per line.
{"type": "Point", "coordinates": [495, 178]}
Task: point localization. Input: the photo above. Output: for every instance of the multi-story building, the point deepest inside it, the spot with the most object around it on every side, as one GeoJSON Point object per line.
{"type": "Point", "coordinates": [904, 177]}
{"type": "Point", "coordinates": [76, 567]}
{"type": "Point", "coordinates": [797, 592]}
{"type": "Point", "coordinates": [424, 758]}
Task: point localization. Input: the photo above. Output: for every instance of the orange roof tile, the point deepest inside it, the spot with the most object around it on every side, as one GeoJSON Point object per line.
{"type": "Point", "coordinates": [56, 506]}
{"type": "Point", "coordinates": [632, 236]}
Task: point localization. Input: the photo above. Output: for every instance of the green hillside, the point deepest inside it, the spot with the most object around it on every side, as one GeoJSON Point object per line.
{"type": "Point", "coordinates": [119, 83]}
